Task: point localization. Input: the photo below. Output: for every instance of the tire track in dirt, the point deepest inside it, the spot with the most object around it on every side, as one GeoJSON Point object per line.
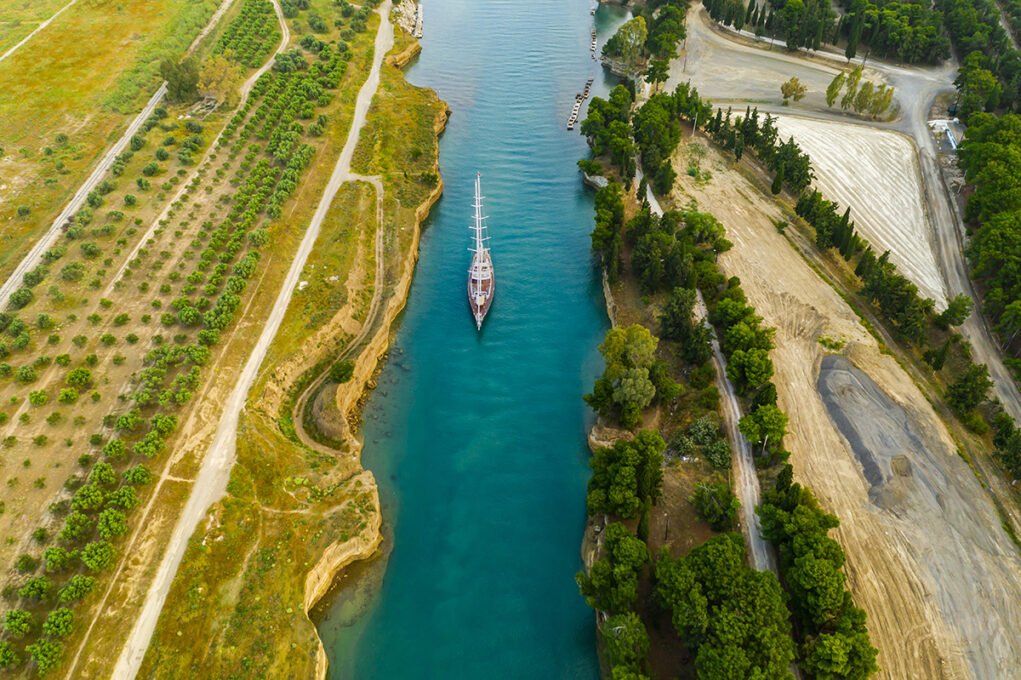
{"type": "Point", "coordinates": [298, 413]}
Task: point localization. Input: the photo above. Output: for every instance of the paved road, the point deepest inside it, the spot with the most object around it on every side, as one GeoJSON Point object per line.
{"type": "Point", "coordinates": [211, 482]}
{"type": "Point", "coordinates": [746, 482]}
{"type": "Point", "coordinates": [34, 256]}
{"type": "Point", "coordinates": [709, 52]}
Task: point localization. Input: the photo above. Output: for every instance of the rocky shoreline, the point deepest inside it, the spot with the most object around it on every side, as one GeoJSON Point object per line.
{"type": "Point", "coordinates": [349, 399]}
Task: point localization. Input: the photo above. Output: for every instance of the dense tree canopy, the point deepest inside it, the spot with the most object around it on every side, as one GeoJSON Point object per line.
{"type": "Point", "coordinates": [632, 379]}
{"type": "Point", "coordinates": [611, 585]}
{"type": "Point", "coordinates": [626, 475]}
{"type": "Point", "coordinates": [732, 616]}
{"type": "Point", "coordinates": [836, 641]}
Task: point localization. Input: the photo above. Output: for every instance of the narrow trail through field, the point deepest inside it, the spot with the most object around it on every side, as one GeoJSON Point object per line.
{"type": "Point", "coordinates": [245, 90]}
{"type": "Point", "coordinates": [38, 28]}
{"type": "Point", "coordinates": [211, 481]}
{"type": "Point", "coordinates": [298, 413]}
{"type": "Point", "coordinates": [34, 256]}
{"type": "Point", "coordinates": [746, 482]}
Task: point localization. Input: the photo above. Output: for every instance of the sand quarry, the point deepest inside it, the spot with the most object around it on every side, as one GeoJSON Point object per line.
{"type": "Point", "coordinates": [874, 172]}
{"type": "Point", "coordinates": [926, 555]}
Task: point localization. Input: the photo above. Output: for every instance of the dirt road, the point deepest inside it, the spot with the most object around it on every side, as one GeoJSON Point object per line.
{"type": "Point", "coordinates": [732, 72]}
{"type": "Point", "coordinates": [746, 481]}
{"type": "Point", "coordinates": [34, 256]}
{"type": "Point", "coordinates": [38, 28]}
{"type": "Point", "coordinates": [212, 478]}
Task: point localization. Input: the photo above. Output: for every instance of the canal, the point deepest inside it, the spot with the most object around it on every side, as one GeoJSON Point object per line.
{"type": "Point", "coordinates": [477, 440]}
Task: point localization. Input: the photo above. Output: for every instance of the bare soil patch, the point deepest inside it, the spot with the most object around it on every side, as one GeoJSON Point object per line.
{"type": "Point", "coordinates": [875, 172]}
{"type": "Point", "coordinates": [911, 566]}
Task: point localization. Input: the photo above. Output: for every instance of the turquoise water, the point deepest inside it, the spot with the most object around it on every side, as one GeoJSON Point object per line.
{"type": "Point", "coordinates": [478, 440]}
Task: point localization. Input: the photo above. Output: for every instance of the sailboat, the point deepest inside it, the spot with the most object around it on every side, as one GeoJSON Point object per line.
{"type": "Point", "coordinates": [481, 277]}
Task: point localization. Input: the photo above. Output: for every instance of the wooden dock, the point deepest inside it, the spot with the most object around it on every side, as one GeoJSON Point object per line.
{"type": "Point", "coordinates": [578, 100]}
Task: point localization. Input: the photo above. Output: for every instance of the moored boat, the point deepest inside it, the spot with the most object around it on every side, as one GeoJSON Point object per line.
{"type": "Point", "coordinates": [481, 276]}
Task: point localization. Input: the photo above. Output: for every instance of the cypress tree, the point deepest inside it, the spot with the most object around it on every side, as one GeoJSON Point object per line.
{"type": "Point", "coordinates": [770, 20]}
{"type": "Point", "coordinates": [748, 14]}
{"type": "Point", "coordinates": [777, 182]}
{"type": "Point", "coordinates": [643, 522]}
{"type": "Point", "coordinates": [853, 36]}
{"type": "Point", "coordinates": [847, 241]}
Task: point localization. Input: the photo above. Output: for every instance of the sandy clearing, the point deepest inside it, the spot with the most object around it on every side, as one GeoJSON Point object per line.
{"type": "Point", "coordinates": [941, 585]}
{"type": "Point", "coordinates": [876, 173]}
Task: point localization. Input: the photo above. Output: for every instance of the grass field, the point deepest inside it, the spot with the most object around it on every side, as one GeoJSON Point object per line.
{"type": "Point", "coordinates": [83, 92]}
{"type": "Point", "coordinates": [18, 18]}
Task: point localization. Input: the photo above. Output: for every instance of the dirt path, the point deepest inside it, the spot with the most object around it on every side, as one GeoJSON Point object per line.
{"type": "Point", "coordinates": [245, 90]}
{"type": "Point", "coordinates": [298, 413]}
{"type": "Point", "coordinates": [34, 256]}
{"type": "Point", "coordinates": [1006, 25]}
{"type": "Point", "coordinates": [38, 28]}
{"type": "Point", "coordinates": [927, 557]}
{"type": "Point", "coordinates": [211, 482]}
{"type": "Point", "coordinates": [746, 481]}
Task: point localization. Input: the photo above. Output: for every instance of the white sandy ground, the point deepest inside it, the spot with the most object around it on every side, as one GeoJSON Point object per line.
{"type": "Point", "coordinates": [219, 460]}
{"type": "Point", "coordinates": [927, 557]}
{"type": "Point", "coordinates": [875, 173]}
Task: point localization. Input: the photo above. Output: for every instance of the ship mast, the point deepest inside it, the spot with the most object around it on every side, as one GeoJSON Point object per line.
{"type": "Point", "coordinates": [479, 246]}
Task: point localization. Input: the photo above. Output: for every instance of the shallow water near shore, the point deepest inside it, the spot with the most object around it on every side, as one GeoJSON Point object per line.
{"type": "Point", "coordinates": [477, 440]}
